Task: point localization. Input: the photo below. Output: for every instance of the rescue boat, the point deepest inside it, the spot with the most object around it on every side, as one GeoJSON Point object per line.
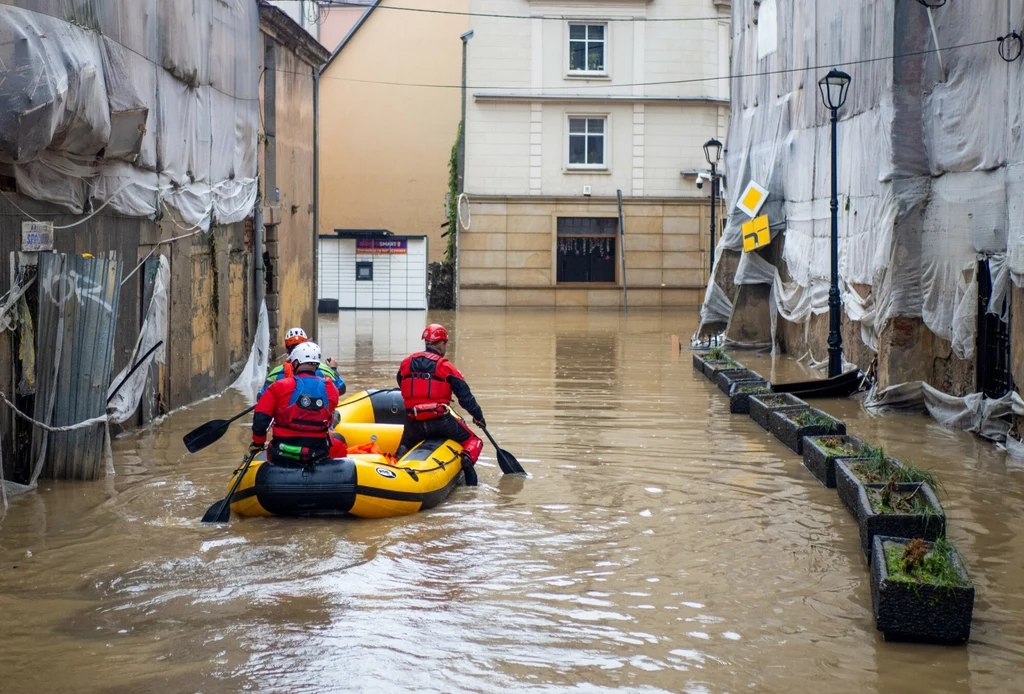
{"type": "Point", "coordinates": [365, 484]}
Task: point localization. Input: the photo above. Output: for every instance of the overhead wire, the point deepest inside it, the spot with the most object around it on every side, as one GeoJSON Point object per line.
{"type": "Point", "coordinates": [692, 80]}
{"type": "Point", "coordinates": [497, 15]}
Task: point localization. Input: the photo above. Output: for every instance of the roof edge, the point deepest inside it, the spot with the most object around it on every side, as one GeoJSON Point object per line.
{"type": "Point", "coordinates": [351, 32]}
{"type": "Point", "coordinates": [290, 34]}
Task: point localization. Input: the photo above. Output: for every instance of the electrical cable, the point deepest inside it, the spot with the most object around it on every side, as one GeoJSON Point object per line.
{"type": "Point", "coordinates": [693, 80]}
{"type": "Point", "coordinates": [496, 15]}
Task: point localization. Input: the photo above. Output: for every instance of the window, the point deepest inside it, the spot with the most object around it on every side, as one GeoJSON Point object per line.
{"type": "Point", "coordinates": [586, 249]}
{"type": "Point", "coordinates": [587, 48]}
{"type": "Point", "coordinates": [364, 270]}
{"type": "Point", "coordinates": [586, 142]}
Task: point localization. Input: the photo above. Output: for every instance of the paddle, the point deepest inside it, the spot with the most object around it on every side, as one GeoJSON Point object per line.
{"type": "Point", "coordinates": [220, 512]}
{"type": "Point", "coordinates": [201, 437]}
{"type": "Point", "coordinates": [506, 461]}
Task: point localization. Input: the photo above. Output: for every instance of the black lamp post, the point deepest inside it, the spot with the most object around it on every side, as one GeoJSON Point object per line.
{"type": "Point", "coordinates": [833, 87]}
{"type": "Point", "coordinates": [713, 153]}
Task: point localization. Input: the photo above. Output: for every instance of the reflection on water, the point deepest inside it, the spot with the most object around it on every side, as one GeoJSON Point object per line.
{"type": "Point", "coordinates": [660, 545]}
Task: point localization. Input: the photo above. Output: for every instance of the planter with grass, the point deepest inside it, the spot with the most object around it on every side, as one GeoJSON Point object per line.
{"type": "Point", "coordinates": [822, 452]}
{"type": "Point", "coordinates": [761, 406]}
{"type": "Point", "coordinates": [711, 368]}
{"type": "Point", "coordinates": [716, 356]}
{"type": "Point", "coordinates": [899, 509]}
{"type": "Point", "coordinates": [726, 379]}
{"type": "Point", "coordinates": [739, 395]}
{"type": "Point", "coordinates": [875, 467]}
{"type": "Point", "coordinates": [791, 427]}
{"type": "Point", "coordinates": [920, 591]}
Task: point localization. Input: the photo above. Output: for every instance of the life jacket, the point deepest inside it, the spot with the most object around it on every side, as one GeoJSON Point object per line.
{"type": "Point", "coordinates": [308, 411]}
{"type": "Point", "coordinates": [425, 393]}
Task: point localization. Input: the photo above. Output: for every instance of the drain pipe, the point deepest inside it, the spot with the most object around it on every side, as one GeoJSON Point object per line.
{"type": "Point", "coordinates": [315, 292]}
{"type": "Point", "coordinates": [258, 253]}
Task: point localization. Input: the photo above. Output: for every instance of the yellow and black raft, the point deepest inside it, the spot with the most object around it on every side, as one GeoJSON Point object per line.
{"type": "Point", "coordinates": [368, 485]}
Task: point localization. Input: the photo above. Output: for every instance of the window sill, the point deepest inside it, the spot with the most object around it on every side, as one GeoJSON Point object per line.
{"type": "Point", "coordinates": [588, 76]}
{"type": "Point", "coordinates": [602, 171]}
{"type": "Point", "coordinates": [586, 285]}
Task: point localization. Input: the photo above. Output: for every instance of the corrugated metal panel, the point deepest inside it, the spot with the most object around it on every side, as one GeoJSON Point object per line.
{"type": "Point", "coordinates": [78, 300]}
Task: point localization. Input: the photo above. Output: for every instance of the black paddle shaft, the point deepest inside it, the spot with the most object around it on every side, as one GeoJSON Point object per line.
{"type": "Point", "coordinates": [220, 512]}
{"type": "Point", "coordinates": [208, 433]}
{"type": "Point", "coordinates": [506, 461]}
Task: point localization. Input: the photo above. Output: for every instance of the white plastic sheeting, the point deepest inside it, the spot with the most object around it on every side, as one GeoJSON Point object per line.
{"type": "Point", "coordinates": [153, 331]}
{"type": "Point", "coordinates": [987, 417]}
{"type": "Point", "coordinates": [134, 103]}
{"type": "Point", "coordinates": [931, 170]}
{"type": "Point", "coordinates": [254, 374]}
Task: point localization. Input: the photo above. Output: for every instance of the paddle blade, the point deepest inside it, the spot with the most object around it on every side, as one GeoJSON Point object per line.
{"type": "Point", "coordinates": [203, 436]}
{"type": "Point", "coordinates": [220, 512]}
{"type": "Point", "coordinates": [508, 463]}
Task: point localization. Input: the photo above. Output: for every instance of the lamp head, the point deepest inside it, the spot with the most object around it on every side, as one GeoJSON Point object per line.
{"type": "Point", "coordinates": [713, 151]}
{"type": "Point", "coordinates": [834, 87]}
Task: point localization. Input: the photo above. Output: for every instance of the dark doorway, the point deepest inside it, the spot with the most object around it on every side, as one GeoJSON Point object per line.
{"type": "Point", "coordinates": [993, 369]}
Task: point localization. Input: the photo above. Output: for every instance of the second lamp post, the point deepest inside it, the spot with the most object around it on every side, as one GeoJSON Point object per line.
{"type": "Point", "coordinates": [833, 88]}
{"type": "Point", "coordinates": [713, 153]}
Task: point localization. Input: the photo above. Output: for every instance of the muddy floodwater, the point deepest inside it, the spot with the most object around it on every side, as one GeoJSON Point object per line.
{"type": "Point", "coordinates": [660, 545]}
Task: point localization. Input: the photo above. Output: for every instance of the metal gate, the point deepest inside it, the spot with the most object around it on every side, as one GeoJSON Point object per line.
{"type": "Point", "coordinates": [78, 300]}
{"type": "Point", "coordinates": [994, 377]}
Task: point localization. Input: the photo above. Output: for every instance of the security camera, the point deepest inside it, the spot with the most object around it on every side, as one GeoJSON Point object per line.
{"type": "Point", "coordinates": [701, 177]}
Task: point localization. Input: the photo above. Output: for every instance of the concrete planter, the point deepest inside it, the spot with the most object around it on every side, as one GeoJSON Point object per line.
{"type": "Point", "coordinates": [871, 522]}
{"type": "Point", "coordinates": [762, 405]}
{"type": "Point", "coordinates": [822, 463]}
{"type": "Point", "coordinates": [848, 484]}
{"type": "Point", "coordinates": [919, 611]}
{"type": "Point", "coordinates": [739, 400]}
{"type": "Point", "coordinates": [792, 434]}
{"type": "Point", "coordinates": [726, 378]}
{"type": "Point", "coordinates": [713, 367]}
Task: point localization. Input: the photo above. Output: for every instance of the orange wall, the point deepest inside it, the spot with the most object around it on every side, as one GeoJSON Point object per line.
{"type": "Point", "coordinates": [384, 149]}
{"type": "Point", "coordinates": [336, 24]}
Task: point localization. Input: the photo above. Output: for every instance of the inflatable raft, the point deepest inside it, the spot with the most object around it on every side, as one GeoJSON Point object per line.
{"type": "Point", "coordinates": [368, 485]}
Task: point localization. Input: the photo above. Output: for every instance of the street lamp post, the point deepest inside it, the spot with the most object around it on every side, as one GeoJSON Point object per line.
{"type": "Point", "coordinates": [713, 153]}
{"type": "Point", "coordinates": [833, 88]}
{"type": "Point", "coordinates": [460, 177]}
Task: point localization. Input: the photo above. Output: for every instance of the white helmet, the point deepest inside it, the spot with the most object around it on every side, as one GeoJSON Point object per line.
{"type": "Point", "coordinates": [305, 353]}
{"type": "Point", "coordinates": [294, 336]}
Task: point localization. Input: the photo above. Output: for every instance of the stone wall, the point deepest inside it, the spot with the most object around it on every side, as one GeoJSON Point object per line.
{"type": "Point", "coordinates": [509, 254]}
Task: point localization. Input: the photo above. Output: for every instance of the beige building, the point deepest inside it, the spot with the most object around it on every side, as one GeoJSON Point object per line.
{"type": "Point", "coordinates": [568, 107]}
{"type": "Point", "coordinates": [386, 140]}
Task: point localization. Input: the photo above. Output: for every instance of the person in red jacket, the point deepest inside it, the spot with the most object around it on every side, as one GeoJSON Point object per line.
{"type": "Point", "coordinates": [428, 381]}
{"type": "Point", "coordinates": [301, 408]}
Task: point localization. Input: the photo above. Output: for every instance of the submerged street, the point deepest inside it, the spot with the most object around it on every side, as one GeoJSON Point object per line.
{"type": "Point", "coordinates": [660, 544]}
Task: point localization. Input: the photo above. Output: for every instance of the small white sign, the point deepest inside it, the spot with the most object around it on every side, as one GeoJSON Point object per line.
{"type": "Point", "coordinates": [36, 236]}
{"type": "Point", "coordinates": [752, 199]}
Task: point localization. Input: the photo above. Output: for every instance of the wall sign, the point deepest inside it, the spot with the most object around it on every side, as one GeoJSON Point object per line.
{"type": "Point", "coordinates": [36, 236]}
{"type": "Point", "coordinates": [756, 233]}
{"type": "Point", "coordinates": [382, 246]}
{"type": "Point", "coordinates": [752, 199]}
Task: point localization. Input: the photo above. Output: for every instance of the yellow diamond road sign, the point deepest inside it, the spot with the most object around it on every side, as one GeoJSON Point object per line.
{"type": "Point", "coordinates": [756, 233]}
{"type": "Point", "coordinates": [752, 199]}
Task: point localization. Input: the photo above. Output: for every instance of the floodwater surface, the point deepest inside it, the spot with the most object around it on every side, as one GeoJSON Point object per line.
{"type": "Point", "coordinates": [660, 545]}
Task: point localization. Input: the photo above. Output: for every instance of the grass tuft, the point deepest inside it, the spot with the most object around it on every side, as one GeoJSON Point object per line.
{"type": "Point", "coordinates": [920, 562]}
{"type": "Point", "coordinates": [810, 418]}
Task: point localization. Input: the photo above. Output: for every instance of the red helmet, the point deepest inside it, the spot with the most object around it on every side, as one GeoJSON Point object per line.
{"type": "Point", "coordinates": [435, 333]}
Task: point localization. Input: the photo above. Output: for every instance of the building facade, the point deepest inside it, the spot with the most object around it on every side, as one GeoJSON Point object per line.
{"type": "Point", "coordinates": [389, 116]}
{"type": "Point", "coordinates": [155, 172]}
{"type": "Point", "coordinates": [568, 106]}
{"type": "Point", "coordinates": [931, 174]}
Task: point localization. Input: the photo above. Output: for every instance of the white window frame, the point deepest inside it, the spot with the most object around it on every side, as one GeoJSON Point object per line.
{"type": "Point", "coordinates": [589, 74]}
{"type": "Point", "coordinates": [606, 135]}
